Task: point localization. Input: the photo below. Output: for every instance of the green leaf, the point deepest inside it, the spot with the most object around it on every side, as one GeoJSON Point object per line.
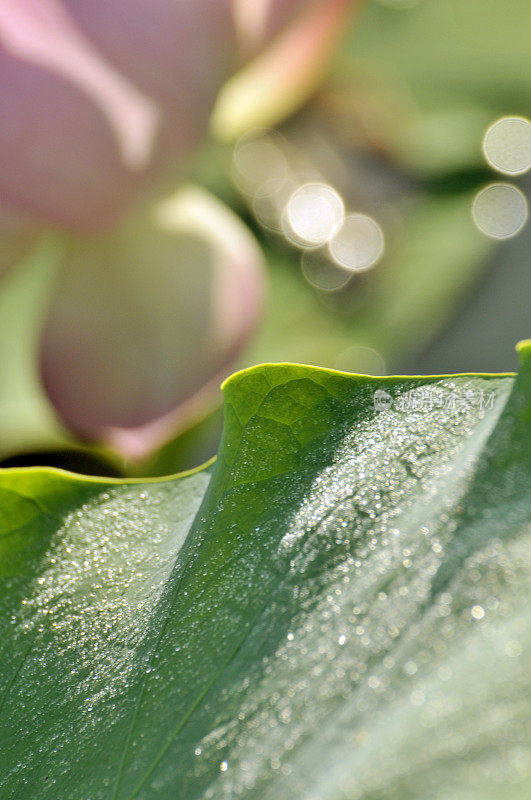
{"type": "Point", "coordinates": [337, 607]}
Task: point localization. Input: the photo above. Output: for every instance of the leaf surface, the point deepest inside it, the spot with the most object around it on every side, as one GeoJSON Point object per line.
{"type": "Point", "coordinates": [337, 607]}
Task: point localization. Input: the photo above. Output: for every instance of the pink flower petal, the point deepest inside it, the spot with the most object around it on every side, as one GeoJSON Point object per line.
{"type": "Point", "coordinates": [146, 321]}
{"type": "Point", "coordinates": [60, 158]}
{"type": "Point", "coordinates": [176, 51]}
{"type": "Point", "coordinates": [96, 91]}
{"type": "Point", "coordinates": [41, 32]}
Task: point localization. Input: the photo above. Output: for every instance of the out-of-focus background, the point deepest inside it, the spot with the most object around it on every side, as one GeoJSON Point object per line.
{"type": "Point", "coordinates": [344, 184]}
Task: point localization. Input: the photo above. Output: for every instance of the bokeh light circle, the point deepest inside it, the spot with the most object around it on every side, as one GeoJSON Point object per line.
{"type": "Point", "coordinates": [269, 200]}
{"type": "Point", "coordinates": [321, 273]}
{"type": "Point", "coordinates": [500, 210]}
{"type": "Point", "coordinates": [358, 243]}
{"type": "Point", "coordinates": [507, 145]}
{"type": "Point", "coordinates": [313, 213]}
